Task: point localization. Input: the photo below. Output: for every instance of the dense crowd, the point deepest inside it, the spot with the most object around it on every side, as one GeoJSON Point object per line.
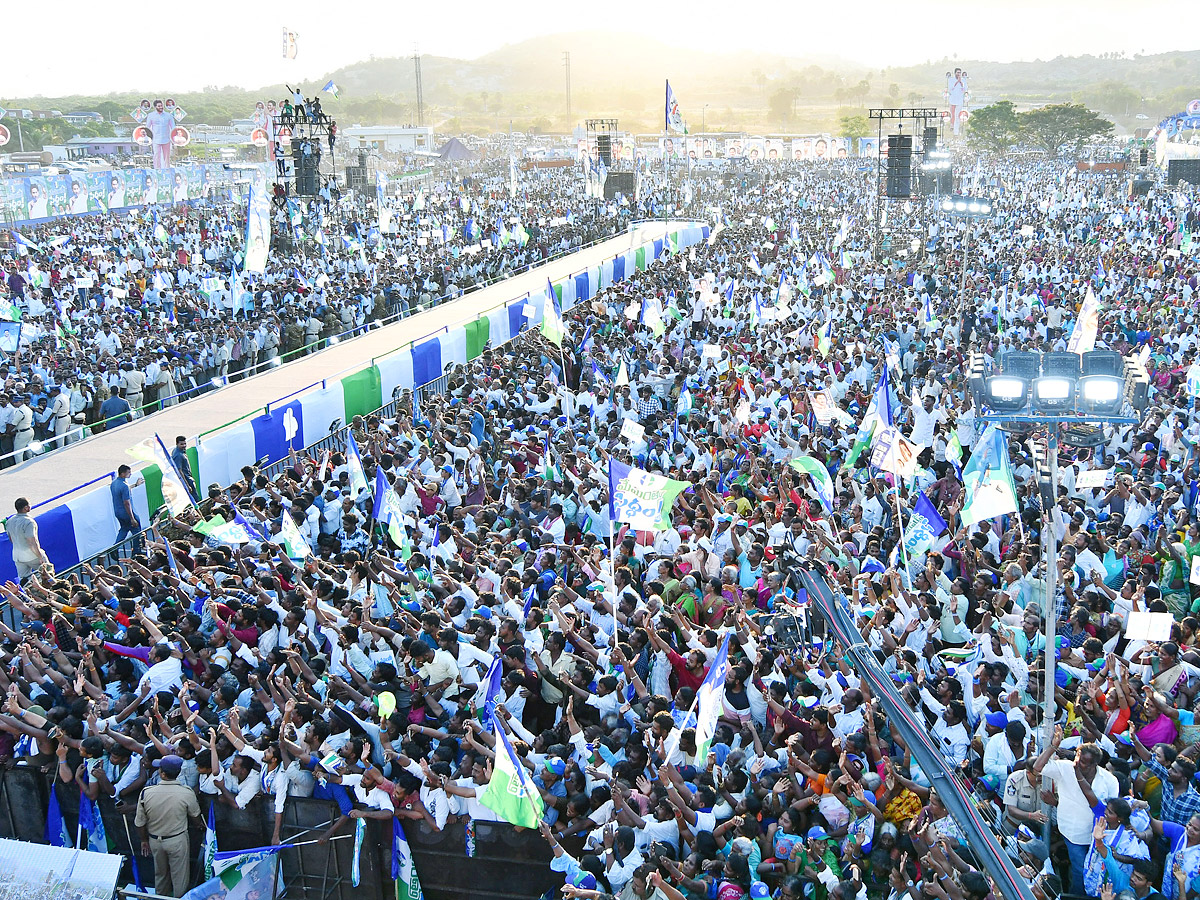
{"type": "Point", "coordinates": [157, 305]}
{"type": "Point", "coordinates": [356, 668]}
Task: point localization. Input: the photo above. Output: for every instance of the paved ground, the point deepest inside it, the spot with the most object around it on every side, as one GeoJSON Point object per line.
{"type": "Point", "coordinates": [53, 473]}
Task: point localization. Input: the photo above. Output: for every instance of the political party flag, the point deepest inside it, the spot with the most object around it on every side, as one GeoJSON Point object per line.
{"type": "Point", "coordinates": [381, 488]}
{"type": "Point", "coordinates": [819, 475]}
{"type": "Point", "coordinates": [210, 842]}
{"type": "Point", "coordinates": [842, 232]}
{"type": "Point", "coordinates": [954, 448]}
{"type": "Point", "coordinates": [392, 518]}
{"type": "Point", "coordinates": [331, 88]}
{"type": "Point", "coordinates": [546, 467]}
{"type": "Point", "coordinates": [1083, 335]}
{"type": "Point", "coordinates": [360, 832]}
{"type": "Point", "coordinates": [294, 544]}
{"type": "Point", "coordinates": [988, 480]}
{"type": "Point", "coordinates": [553, 328]}
{"type": "Point", "coordinates": [639, 498]}
{"type": "Point", "coordinates": [652, 317]}
{"type": "Point", "coordinates": [674, 118]}
{"type": "Point", "coordinates": [511, 793]}
{"type": "Point", "coordinates": [25, 243]}
{"type": "Point", "coordinates": [240, 875]}
{"type": "Point", "coordinates": [924, 525]}
{"type": "Point", "coordinates": [622, 374]}
{"type": "Point", "coordinates": [91, 822]}
{"type": "Point", "coordinates": [1100, 273]}
{"type": "Point", "coordinates": [710, 700]}
{"type": "Point", "coordinates": [488, 691]}
{"type": "Point", "coordinates": [404, 867]}
{"type": "Point", "coordinates": [752, 262]}
{"type": "Point", "coordinates": [928, 316]}
{"type": "Point", "coordinates": [239, 531]}
{"type": "Point", "coordinates": [825, 337]}
{"type": "Point", "coordinates": [354, 466]}
{"type": "Point", "coordinates": [56, 827]}
{"type": "Point", "coordinates": [174, 489]}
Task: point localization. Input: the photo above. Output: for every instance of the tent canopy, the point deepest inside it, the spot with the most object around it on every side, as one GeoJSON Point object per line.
{"type": "Point", "coordinates": [454, 149]}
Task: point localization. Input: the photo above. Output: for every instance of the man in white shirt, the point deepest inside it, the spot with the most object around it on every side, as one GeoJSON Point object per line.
{"type": "Point", "coordinates": [1082, 788]}
{"type": "Point", "coordinates": [925, 417]}
{"type": "Point", "coordinates": [165, 672]}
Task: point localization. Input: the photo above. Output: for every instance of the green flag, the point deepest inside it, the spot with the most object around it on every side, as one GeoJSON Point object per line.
{"type": "Point", "coordinates": [988, 480]}
{"type": "Point", "coordinates": [511, 793]}
{"type": "Point", "coordinates": [552, 328]}
{"type": "Point", "coordinates": [293, 541]}
{"type": "Point", "coordinates": [822, 483]}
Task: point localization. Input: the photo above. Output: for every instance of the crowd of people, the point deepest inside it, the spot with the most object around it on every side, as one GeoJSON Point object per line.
{"type": "Point", "coordinates": [156, 306]}
{"type": "Point", "coordinates": [354, 666]}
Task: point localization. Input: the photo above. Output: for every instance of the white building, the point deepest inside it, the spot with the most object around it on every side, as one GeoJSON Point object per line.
{"type": "Point", "coordinates": [388, 138]}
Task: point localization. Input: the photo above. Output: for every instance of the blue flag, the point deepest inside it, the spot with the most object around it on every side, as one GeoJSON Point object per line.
{"type": "Point", "coordinates": [381, 487]}
{"type": "Point", "coordinates": [56, 828]}
{"type": "Point", "coordinates": [924, 525]}
{"type": "Point", "coordinates": [91, 821]}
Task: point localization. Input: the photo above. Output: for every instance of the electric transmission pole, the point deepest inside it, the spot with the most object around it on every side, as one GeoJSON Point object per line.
{"type": "Point", "coordinates": [567, 66]}
{"type": "Point", "coordinates": [420, 90]}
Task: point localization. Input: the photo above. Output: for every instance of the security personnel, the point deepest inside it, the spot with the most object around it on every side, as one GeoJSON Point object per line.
{"type": "Point", "coordinates": [162, 817]}
{"type": "Point", "coordinates": [60, 414]}
{"type": "Point", "coordinates": [22, 421]}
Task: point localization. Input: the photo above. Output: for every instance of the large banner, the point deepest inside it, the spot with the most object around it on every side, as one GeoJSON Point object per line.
{"type": "Point", "coordinates": [37, 870]}
{"type": "Point", "coordinates": [38, 198]}
{"type": "Point", "coordinates": [258, 226]}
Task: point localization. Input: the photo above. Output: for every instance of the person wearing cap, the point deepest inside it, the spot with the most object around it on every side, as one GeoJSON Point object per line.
{"type": "Point", "coordinates": [163, 813]}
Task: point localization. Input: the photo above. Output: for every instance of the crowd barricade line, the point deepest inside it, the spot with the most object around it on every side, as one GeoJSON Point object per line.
{"type": "Point", "coordinates": [313, 414]}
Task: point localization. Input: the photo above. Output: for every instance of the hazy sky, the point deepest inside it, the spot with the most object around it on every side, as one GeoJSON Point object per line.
{"type": "Point", "coordinates": [173, 47]}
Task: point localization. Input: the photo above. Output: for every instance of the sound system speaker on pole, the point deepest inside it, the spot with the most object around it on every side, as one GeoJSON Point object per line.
{"type": "Point", "coordinates": [899, 166]}
{"type": "Point", "coordinates": [1183, 170]}
{"type": "Point", "coordinates": [1144, 157]}
{"type": "Point", "coordinates": [357, 178]}
{"type": "Point", "coordinates": [1140, 187]}
{"type": "Point", "coordinates": [604, 148]}
{"type": "Point", "coordinates": [624, 183]}
{"type": "Point", "coordinates": [306, 166]}
{"type": "Point", "coordinates": [930, 139]}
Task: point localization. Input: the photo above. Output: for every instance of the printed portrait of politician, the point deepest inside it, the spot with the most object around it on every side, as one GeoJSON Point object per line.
{"type": "Point", "coordinates": [160, 122]}
{"type": "Point", "coordinates": [79, 195]}
{"type": "Point", "coordinates": [181, 186]}
{"type": "Point", "coordinates": [956, 95]}
{"type": "Point", "coordinates": [39, 202]}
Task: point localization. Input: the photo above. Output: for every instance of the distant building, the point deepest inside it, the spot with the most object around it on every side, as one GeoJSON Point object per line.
{"type": "Point", "coordinates": [389, 138]}
{"type": "Point", "coordinates": [83, 118]}
{"type": "Point", "coordinates": [83, 147]}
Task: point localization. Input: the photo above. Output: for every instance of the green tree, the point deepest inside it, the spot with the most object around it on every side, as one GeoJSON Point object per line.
{"type": "Point", "coordinates": [780, 105]}
{"type": "Point", "coordinates": [854, 127]}
{"type": "Point", "coordinates": [994, 128]}
{"type": "Point", "coordinates": [1062, 124]}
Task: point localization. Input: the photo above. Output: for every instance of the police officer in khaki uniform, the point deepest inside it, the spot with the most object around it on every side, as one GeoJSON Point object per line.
{"type": "Point", "coordinates": [162, 817]}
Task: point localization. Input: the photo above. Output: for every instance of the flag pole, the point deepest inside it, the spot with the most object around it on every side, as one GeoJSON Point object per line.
{"type": "Point", "coordinates": [562, 359]}
{"type": "Point", "coordinates": [900, 524]}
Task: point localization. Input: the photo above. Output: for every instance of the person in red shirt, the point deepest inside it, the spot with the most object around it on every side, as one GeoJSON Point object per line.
{"type": "Point", "coordinates": [689, 672]}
